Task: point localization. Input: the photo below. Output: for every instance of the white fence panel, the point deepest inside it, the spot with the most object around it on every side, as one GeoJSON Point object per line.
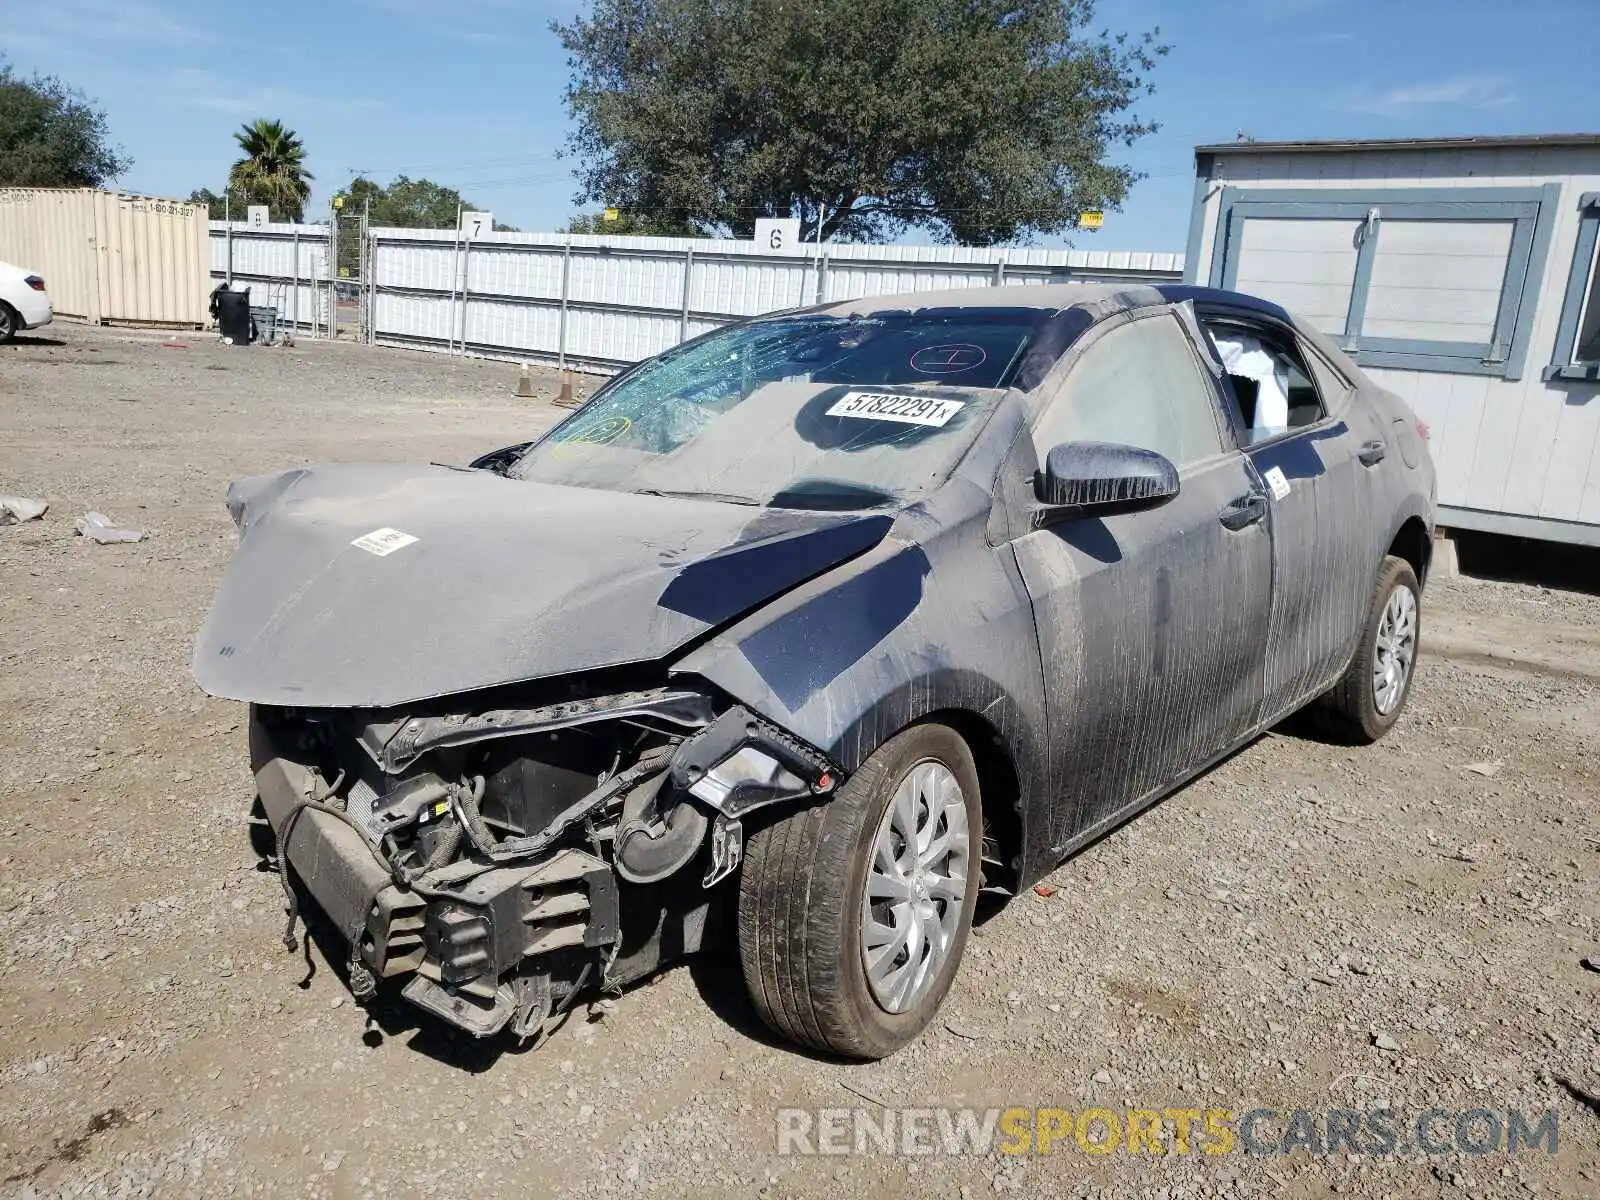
{"type": "Point", "coordinates": [599, 303]}
{"type": "Point", "coordinates": [284, 266]}
{"type": "Point", "coordinates": [737, 285]}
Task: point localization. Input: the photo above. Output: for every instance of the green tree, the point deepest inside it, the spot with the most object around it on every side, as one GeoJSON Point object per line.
{"type": "Point", "coordinates": [630, 224]}
{"type": "Point", "coordinates": [409, 204]}
{"type": "Point", "coordinates": [406, 203]}
{"type": "Point", "coordinates": [272, 171]}
{"type": "Point", "coordinates": [215, 204]}
{"type": "Point", "coordinates": [52, 135]}
{"type": "Point", "coordinates": [981, 121]}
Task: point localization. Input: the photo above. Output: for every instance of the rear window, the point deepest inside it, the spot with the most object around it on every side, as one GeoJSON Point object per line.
{"type": "Point", "coordinates": [961, 347]}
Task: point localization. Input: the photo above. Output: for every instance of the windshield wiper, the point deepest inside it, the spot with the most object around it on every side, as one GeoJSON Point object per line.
{"type": "Point", "coordinates": [715, 497]}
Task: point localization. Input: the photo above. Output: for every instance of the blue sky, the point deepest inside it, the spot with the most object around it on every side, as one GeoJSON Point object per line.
{"type": "Point", "coordinates": [469, 93]}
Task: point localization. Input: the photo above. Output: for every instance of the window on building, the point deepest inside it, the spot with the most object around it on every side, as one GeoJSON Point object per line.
{"type": "Point", "coordinates": [1589, 327]}
{"type": "Point", "coordinates": [1576, 354]}
{"type": "Point", "coordinates": [1432, 279]}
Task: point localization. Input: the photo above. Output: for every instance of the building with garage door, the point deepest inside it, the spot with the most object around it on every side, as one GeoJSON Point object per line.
{"type": "Point", "coordinates": [1460, 272]}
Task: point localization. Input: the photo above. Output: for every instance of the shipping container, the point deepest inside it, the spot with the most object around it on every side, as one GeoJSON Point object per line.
{"type": "Point", "coordinates": [111, 257]}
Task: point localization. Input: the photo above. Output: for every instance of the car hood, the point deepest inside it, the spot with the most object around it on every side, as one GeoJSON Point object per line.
{"type": "Point", "coordinates": [377, 585]}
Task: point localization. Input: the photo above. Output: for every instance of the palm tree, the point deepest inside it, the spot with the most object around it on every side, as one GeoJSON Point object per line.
{"type": "Point", "coordinates": [272, 172]}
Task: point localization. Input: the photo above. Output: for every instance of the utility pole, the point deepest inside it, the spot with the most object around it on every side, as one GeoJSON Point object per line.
{"type": "Point", "coordinates": [817, 261]}
{"type": "Point", "coordinates": [227, 219]}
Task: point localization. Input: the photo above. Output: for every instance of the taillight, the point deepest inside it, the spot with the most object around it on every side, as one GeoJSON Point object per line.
{"type": "Point", "coordinates": [1423, 431]}
{"type": "Point", "coordinates": [35, 283]}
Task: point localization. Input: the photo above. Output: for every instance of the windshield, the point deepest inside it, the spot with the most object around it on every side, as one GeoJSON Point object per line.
{"type": "Point", "coordinates": [797, 412]}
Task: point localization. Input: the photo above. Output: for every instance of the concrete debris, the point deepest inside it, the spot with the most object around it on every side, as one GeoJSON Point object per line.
{"type": "Point", "coordinates": [14, 510]}
{"type": "Point", "coordinates": [1384, 1042]}
{"type": "Point", "coordinates": [100, 528]}
{"type": "Point", "coordinates": [1487, 769]}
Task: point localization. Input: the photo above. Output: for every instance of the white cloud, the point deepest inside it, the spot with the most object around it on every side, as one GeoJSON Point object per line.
{"type": "Point", "coordinates": [69, 21]}
{"type": "Point", "coordinates": [1480, 92]}
{"type": "Point", "coordinates": [203, 89]}
{"type": "Point", "coordinates": [486, 22]}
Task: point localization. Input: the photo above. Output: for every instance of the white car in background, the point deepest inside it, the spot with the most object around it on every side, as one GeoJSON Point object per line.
{"type": "Point", "coordinates": [24, 304]}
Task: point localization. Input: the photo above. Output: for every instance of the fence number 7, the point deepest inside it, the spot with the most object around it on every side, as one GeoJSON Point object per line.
{"type": "Point", "coordinates": [475, 224]}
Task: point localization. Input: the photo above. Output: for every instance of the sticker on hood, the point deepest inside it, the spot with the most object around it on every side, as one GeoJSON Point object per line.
{"type": "Point", "coordinates": [383, 541]}
{"type": "Point", "coordinates": [888, 406]}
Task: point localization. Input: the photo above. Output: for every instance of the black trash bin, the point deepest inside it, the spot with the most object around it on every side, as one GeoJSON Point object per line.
{"type": "Point", "coordinates": [233, 316]}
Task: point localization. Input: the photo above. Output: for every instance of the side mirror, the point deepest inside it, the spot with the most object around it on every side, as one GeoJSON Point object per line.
{"type": "Point", "coordinates": [499, 461]}
{"type": "Point", "coordinates": [1096, 479]}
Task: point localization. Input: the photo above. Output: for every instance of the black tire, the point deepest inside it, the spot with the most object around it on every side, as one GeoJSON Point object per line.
{"type": "Point", "coordinates": [10, 323]}
{"type": "Point", "coordinates": [800, 896]}
{"type": "Point", "coordinates": [1348, 711]}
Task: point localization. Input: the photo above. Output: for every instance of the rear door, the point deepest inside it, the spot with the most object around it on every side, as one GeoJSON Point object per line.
{"type": "Point", "coordinates": [1152, 625]}
{"type": "Point", "coordinates": [1316, 456]}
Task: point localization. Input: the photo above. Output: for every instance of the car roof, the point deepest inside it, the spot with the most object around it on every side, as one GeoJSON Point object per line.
{"type": "Point", "coordinates": [1105, 298]}
{"type": "Point", "coordinates": [1050, 297]}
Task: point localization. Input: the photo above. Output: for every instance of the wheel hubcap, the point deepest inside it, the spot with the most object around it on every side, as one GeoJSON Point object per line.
{"type": "Point", "coordinates": [916, 886]}
{"type": "Point", "coordinates": [1396, 650]}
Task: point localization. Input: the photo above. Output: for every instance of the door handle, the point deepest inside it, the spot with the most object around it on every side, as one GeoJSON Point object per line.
{"type": "Point", "coordinates": [1372, 453]}
{"type": "Point", "coordinates": [1244, 511]}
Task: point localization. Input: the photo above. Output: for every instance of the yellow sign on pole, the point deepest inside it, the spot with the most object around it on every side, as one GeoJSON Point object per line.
{"type": "Point", "coordinates": [1091, 220]}
{"type": "Point", "coordinates": [338, 201]}
{"type": "Point", "coordinates": [611, 214]}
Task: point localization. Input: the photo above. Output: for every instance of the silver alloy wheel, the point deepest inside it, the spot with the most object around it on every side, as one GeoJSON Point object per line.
{"type": "Point", "coordinates": [916, 883]}
{"type": "Point", "coordinates": [1396, 650]}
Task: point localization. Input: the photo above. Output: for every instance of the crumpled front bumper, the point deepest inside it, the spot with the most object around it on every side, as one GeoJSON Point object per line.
{"type": "Point", "coordinates": [478, 945]}
{"type": "Point", "coordinates": [380, 919]}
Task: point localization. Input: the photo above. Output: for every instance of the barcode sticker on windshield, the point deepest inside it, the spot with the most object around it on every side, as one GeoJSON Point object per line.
{"type": "Point", "coordinates": [887, 406]}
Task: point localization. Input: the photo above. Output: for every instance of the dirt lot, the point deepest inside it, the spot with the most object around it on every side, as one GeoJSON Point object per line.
{"type": "Point", "coordinates": [1244, 945]}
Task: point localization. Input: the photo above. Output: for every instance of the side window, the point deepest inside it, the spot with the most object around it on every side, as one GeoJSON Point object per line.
{"type": "Point", "coordinates": [1334, 386]}
{"type": "Point", "coordinates": [1137, 385]}
{"type": "Point", "coordinates": [1275, 392]}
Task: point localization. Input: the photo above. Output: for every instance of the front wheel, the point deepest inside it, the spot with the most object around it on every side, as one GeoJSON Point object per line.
{"type": "Point", "coordinates": [10, 323]}
{"type": "Point", "coordinates": [1368, 699]}
{"type": "Point", "coordinates": [853, 913]}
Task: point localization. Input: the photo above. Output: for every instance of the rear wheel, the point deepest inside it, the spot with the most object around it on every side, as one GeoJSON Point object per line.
{"type": "Point", "coordinates": [853, 913]}
{"type": "Point", "coordinates": [1369, 698]}
{"type": "Point", "coordinates": [10, 323]}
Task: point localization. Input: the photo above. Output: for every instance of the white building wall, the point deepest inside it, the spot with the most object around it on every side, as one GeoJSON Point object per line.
{"type": "Point", "coordinates": [1506, 450]}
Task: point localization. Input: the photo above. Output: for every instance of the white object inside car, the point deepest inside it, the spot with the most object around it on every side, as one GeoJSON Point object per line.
{"type": "Point", "coordinates": [1248, 358]}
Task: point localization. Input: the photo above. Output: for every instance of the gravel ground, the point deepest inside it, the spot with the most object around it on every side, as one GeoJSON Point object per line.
{"type": "Point", "coordinates": [1308, 926]}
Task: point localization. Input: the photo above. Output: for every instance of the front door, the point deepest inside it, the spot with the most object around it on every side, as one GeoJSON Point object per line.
{"type": "Point", "coordinates": [1152, 624]}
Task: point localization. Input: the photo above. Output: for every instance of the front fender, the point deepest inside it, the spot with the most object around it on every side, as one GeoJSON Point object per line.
{"type": "Point", "coordinates": [904, 632]}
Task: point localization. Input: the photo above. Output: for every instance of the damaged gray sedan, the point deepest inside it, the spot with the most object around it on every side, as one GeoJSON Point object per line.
{"type": "Point", "coordinates": [800, 634]}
